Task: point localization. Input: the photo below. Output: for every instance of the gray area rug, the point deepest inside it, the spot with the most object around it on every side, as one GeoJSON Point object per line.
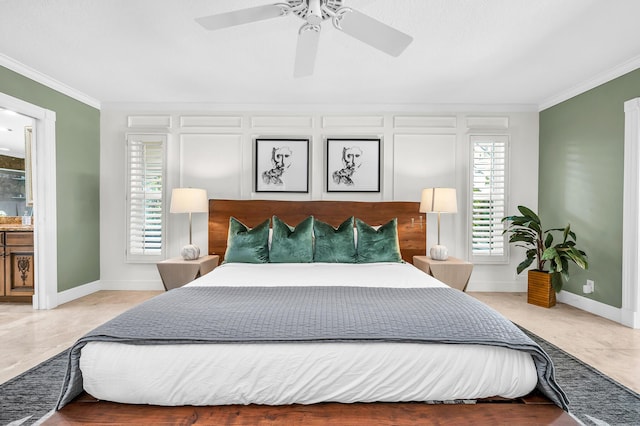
{"type": "Point", "coordinates": [595, 398]}
{"type": "Point", "coordinates": [26, 398]}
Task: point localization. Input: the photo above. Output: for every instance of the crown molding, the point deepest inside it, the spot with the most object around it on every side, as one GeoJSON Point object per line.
{"type": "Point", "coordinates": [318, 108]}
{"type": "Point", "coordinates": [618, 71]}
{"type": "Point", "coordinates": [576, 90]}
{"type": "Point", "coordinates": [50, 82]}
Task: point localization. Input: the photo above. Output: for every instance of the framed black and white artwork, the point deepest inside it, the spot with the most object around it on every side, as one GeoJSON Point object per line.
{"type": "Point", "coordinates": [353, 165]}
{"type": "Point", "coordinates": [282, 165]}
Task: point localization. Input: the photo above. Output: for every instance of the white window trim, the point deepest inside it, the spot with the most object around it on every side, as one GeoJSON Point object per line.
{"type": "Point", "coordinates": [146, 258]}
{"type": "Point", "coordinates": [492, 259]}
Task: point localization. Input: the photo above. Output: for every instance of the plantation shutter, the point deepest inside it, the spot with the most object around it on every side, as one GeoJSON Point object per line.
{"type": "Point", "coordinates": [145, 198]}
{"type": "Point", "coordinates": [489, 198]}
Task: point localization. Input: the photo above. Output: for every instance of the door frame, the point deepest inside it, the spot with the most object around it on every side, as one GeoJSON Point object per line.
{"type": "Point", "coordinates": [45, 235]}
{"type": "Point", "coordinates": [631, 216]}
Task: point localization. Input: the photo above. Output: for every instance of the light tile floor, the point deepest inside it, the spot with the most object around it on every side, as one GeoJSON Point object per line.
{"type": "Point", "coordinates": [29, 337]}
{"type": "Point", "coordinates": [608, 346]}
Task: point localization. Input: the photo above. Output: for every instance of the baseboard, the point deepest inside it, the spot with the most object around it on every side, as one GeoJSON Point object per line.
{"type": "Point", "coordinates": [591, 306]}
{"type": "Point", "coordinates": [67, 296]}
{"type": "Point", "coordinates": [498, 286]}
{"type": "Point", "coordinates": [588, 305]}
{"type": "Point", "coordinates": [149, 285]}
{"type": "Point", "coordinates": [78, 292]}
{"type": "Point", "coordinates": [630, 318]}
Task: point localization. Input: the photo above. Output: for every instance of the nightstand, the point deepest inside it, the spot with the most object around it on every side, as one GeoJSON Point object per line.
{"type": "Point", "coordinates": [177, 272]}
{"type": "Point", "coordinates": [454, 272]}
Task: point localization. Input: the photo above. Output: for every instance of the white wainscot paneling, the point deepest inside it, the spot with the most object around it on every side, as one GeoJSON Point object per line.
{"type": "Point", "coordinates": [488, 122]}
{"type": "Point", "coordinates": [295, 121]}
{"type": "Point", "coordinates": [148, 121]}
{"type": "Point", "coordinates": [422, 161]}
{"type": "Point", "coordinates": [213, 162]}
{"type": "Point", "coordinates": [211, 121]}
{"type": "Point", "coordinates": [333, 121]}
{"type": "Point", "coordinates": [425, 121]}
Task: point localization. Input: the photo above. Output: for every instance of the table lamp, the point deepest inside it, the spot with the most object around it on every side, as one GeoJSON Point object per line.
{"type": "Point", "coordinates": [439, 200]}
{"type": "Point", "coordinates": [189, 200]}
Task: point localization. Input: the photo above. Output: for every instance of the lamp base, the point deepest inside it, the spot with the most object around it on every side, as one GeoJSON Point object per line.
{"type": "Point", "coordinates": [190, 252]}
{"type": "Point", "coordinates": [439, 253]}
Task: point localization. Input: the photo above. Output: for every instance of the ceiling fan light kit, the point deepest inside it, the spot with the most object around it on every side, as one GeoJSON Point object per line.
{"type": "Point", "coordinates": [353, 23]}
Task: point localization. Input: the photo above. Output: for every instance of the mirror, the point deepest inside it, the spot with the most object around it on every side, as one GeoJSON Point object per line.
{"type": "Point", "coordinates": [16, 133]}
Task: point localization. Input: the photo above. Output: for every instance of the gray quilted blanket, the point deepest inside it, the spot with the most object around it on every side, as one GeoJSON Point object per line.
{"type": "Point", "coordinates": [313, 314]}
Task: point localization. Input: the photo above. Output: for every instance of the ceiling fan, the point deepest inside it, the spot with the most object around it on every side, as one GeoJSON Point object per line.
{"type": "Point", "coordinates": [350, 21]}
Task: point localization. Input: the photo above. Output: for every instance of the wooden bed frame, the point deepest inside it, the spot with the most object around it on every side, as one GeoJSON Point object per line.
{"type": "Point", "coordinates": [411, 224]}
{"type": "Point", "coordinates": [531, 410]}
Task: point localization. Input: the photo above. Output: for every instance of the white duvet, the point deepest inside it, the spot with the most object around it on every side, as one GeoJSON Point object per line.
{"type": "Point", "coordinates": [305, 373]}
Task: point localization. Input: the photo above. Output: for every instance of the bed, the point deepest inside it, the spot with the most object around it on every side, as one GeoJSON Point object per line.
{"type": "Point", "coordinates": [310, 332]}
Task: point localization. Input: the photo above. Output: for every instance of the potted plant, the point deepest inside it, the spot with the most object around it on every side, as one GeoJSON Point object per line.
{"type": "Point", "coordinates": [527, 232]}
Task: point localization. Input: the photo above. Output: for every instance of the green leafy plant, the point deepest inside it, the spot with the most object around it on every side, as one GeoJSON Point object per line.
{"type": "Point", "coordinates": [527, 232]}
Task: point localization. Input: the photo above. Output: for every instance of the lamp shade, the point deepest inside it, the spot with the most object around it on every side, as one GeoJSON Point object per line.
{"type": "Point", "coordinates": [189, 200]}
{"type": "Point", "coordinates": [438, 200]}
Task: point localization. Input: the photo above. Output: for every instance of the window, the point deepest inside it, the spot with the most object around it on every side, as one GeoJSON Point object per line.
{"type": "Point", "coordinates": [145, 198]}
{"type": "Point", "coordinates": [489, 160]}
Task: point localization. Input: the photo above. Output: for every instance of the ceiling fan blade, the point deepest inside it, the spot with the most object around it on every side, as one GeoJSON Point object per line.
{"type": "Point", "coordinates": [371, 31]}
{"type": "Point", "coordinates": [243, 16]}
{"type": "Point", "coordinates": [306, 50]}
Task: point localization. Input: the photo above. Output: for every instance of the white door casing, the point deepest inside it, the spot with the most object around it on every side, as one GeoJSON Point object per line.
{"type": "Point", "coordinates": [44, 195]}
{"type": "Point", "coordinates": [631, 216]}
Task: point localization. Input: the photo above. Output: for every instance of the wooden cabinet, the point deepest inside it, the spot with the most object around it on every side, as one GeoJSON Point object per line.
{"type": "Point", "coordinates": [17, 265]}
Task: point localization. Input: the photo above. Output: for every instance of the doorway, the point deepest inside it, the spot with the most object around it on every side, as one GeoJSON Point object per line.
{"type": "Point", "coordinates": [16, 131]}
{"type": "Point", "coordinates": [43, 192]}
{"type": "Point", "coordinates": [16, 207]}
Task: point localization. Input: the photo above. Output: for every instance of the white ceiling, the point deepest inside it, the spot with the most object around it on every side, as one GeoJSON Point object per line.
{"type": "Point", "coordinates": [473, 52]}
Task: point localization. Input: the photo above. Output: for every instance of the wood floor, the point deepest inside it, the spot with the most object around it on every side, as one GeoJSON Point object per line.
{"type": "Point", "coordinates": [30, 337]}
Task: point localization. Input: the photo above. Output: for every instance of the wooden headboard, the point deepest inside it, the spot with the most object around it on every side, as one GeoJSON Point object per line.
{"type": "Point", "coordinates": [411, 231]}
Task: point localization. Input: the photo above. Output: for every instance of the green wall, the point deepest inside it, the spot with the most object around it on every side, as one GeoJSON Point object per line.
{"type": "Point", "coordinates": [77, 175]}
{"type": "Point", "coordinates": [581, 179]}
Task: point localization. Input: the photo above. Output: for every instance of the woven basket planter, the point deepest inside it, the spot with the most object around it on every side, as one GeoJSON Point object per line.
{"type": "Point", "coordinates": [539, 291]}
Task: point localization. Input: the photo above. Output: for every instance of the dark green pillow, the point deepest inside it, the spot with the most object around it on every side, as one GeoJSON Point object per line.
{"type": "Point", "coordinates": [378, 245]}
{"type": "Point", "coordinates": [334, 245]}
{"type": "Point", "coordinates": [246, 245]}
{"type": "Point", "coordinates": [292, 245]}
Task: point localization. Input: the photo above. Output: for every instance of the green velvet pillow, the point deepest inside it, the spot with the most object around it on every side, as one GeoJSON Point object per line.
{"type": "Point", "coordinates": [334, 245]}
{"type": "Point", "coordinates": [378, 245]}
{"type": "Point", "coordinates": [246, 245]}
{"type": "Point", "coordinates": [292, 245]}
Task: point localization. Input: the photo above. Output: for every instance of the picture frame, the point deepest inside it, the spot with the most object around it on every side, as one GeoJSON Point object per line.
{"type": "Point", "coordinates": [353, 165]}
{"type": "Point", "coordinates": [282, 165]}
